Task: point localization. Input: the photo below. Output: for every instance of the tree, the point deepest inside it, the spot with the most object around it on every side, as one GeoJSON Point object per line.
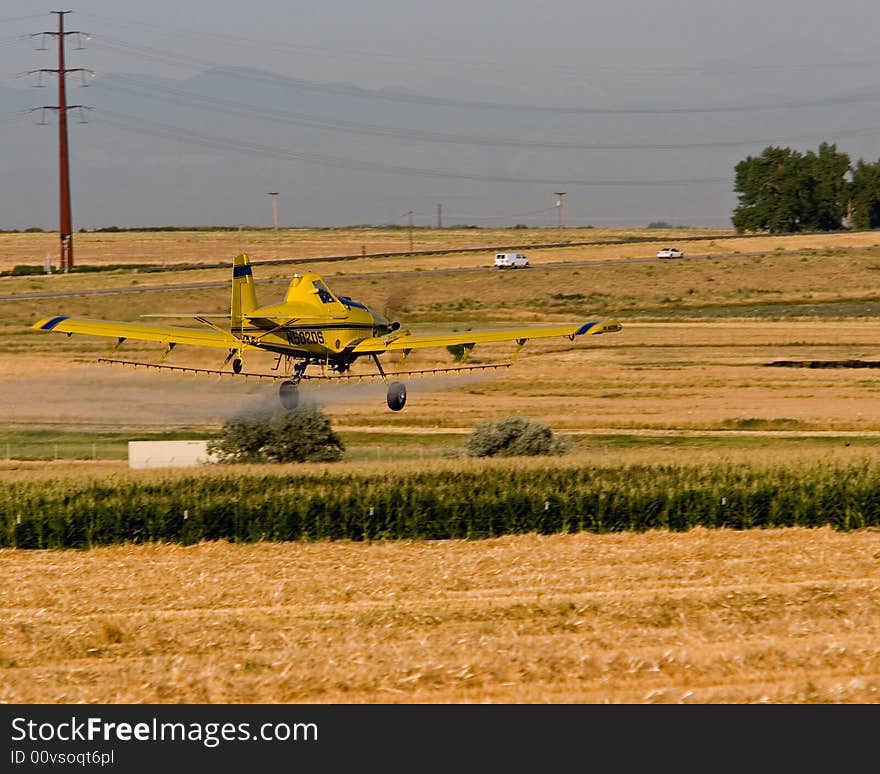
{"type": "Point", "coordinates": [826, 189]}
{"type": "Point", "coordinates": [513, 436]}
{"type": "Point", "coordinates": [783, 190]}
{"type": "Point", "coordinates": [865, 190]}
{"type": "Point", "coordinates": [764, 185]}
{"type": "Point", "coordinates": [301, 435]}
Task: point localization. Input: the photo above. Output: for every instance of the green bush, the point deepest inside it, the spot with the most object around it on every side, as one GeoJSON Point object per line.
{"type": "Point", "coordinates": [301, 435]}
{"type": "Point", "coordinates": [23, 269]}
{"type": "Point", "coordinates": [458, 351]}
{"type": "Point", "coordinates": [512, 437]}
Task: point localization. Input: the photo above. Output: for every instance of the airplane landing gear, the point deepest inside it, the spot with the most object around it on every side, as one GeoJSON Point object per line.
{"type": "Point", "coordinates": [234, 355]}
{"type": "Point", "coordinates": [289, 395]}
{"type": "Point", "coordinates": [289, 392]}
{"type": "Point", "coordinates": [396, 396]}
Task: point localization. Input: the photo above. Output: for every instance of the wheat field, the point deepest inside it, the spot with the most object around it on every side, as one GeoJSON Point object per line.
{"type": "Point", "coordinates": [777, 615]}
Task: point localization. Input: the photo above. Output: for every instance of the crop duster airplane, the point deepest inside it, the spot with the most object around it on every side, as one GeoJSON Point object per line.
{"type": "Point", "coordinates": [312, 327]}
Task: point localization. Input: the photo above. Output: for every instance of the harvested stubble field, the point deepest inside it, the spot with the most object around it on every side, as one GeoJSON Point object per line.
{"type": "Point", "coordinates": [786, 615]}
{"type": "Point", "coordinates": [217, 245]}
{"type": "Point", "coordinates": [703, 617]}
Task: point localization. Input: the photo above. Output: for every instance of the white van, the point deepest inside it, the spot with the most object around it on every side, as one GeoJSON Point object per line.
{"type": "Point", "coordinates": [510, 261]}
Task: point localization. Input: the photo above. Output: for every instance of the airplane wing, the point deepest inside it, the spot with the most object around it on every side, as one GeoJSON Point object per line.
{"type": "Point", "coordinates": [407, 341]}
{"type": "Point", "coordinates": [188, 316]}
{"type": "Point", "coordinates": [167, 334]}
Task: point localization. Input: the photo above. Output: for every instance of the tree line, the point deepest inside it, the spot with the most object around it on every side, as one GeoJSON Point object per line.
{"type": "Point", "coordinates": [784, 190]}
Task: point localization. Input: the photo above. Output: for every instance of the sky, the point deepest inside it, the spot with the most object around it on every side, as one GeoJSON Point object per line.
{"type": "Point", "coordinates": [639, 110]}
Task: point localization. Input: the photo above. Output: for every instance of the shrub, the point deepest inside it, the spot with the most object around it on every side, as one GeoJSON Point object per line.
{"type": "Point", "coordinates": [301, 435]}
{"type": "Point", "coordinates": [513, 436]}
{"type": "Point", "coordinates": [23, 269]}
{"type": "Point", "coordinates": [458, 351]}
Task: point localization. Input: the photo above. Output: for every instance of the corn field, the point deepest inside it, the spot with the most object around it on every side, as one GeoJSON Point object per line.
{"type": "Point", "coordinates": [461, 503]}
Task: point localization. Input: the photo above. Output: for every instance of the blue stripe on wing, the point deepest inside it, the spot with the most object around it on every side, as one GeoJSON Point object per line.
{"type": "Point", "coordinates": [50, 324]}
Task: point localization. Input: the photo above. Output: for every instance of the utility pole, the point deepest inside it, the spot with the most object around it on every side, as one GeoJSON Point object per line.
{"type": "Point", "coordinates": [274, 195]}
{"type": "Point", "coordinates": [65, 226]}
{"type": "Point", "coordinates": [559, 195]}
{"type": "Point", "coordinates": [439, 216]}
{"type": "Point", "coordinates": [410, 216]}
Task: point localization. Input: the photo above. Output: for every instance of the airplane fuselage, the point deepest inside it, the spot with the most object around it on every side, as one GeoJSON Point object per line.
{"type": "Point", "coordinates": [284, 329]}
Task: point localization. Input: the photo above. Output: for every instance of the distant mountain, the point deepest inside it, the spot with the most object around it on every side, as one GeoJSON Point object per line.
{"type": "Point", "coordinates": [206, 150]}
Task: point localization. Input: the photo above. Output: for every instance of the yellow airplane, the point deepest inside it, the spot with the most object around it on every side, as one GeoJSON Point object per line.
{"type": "Point", "coordinates": [312, 327]}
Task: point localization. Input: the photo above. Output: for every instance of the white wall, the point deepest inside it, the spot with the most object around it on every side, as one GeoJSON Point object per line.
{"type": "Point", "coordinates": [167, 454]}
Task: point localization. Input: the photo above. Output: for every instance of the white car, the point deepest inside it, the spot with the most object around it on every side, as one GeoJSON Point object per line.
{"type": "Point", "coordinates": [511, 261]}
{"type": "Point", "coordinates": [670, 252]}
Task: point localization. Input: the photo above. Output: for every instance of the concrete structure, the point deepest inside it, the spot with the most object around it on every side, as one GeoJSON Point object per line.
{"type": "Point", "coordinates": [167, 454]}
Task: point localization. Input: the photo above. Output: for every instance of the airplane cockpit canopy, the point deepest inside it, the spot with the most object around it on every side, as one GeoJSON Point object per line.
{"type": "Point", "coordinates": [323, 292]}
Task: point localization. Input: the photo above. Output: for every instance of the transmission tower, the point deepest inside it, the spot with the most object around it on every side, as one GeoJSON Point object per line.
{"type": "Point", "coordinates": [65, 226]}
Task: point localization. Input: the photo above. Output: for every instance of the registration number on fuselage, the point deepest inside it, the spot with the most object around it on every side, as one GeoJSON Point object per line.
{"type": "Point", "coordinates": [305, 337]}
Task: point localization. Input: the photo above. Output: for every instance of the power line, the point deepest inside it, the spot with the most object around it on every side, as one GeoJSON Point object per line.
{"type": "Point", "coordinates": [13, 115]}
{"type": "Point", "coordinates": [224, 143]}
{"type": "Point", "coordinates": [652, 70]}
{"type": "Point", "coordinates": [7, 19]}
{"type": "Point", "coordinates": [249, 110]}
{"type": "Point", "coordinates": [400, 97]}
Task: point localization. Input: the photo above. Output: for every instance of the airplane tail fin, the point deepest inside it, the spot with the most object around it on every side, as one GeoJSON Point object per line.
{"type": "Point", "coordinates": [244, 294]}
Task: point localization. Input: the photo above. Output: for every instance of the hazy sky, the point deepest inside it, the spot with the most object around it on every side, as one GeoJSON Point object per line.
{"type": "Point", "coordinates": [688, 73]}
{"type": "Point", "coordinates": [512, 44]}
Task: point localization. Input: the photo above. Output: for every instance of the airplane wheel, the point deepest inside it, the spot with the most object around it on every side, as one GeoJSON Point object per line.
{"type": "Point", "coordinates": [236, 365]}
{"type": "Point", "coordinates": [396, 396]}
{"type": "Point", "coordinates": [289, 395]}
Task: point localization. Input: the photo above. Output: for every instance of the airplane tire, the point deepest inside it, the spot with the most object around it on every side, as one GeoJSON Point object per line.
{"type": "Point", "coordinates": [289, 395]}
{"type": "Point", "coordinates": [396, 396]}
{"type": "Point", "coordinates": [236, 365]}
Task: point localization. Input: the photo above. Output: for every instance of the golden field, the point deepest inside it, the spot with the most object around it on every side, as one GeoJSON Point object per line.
{"type": "Point", "coordinates": [697, 334]}
{"type": "Point", "coordinates": [701, 617]}
{"type": "Point", "coordinates": [705, 616]}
